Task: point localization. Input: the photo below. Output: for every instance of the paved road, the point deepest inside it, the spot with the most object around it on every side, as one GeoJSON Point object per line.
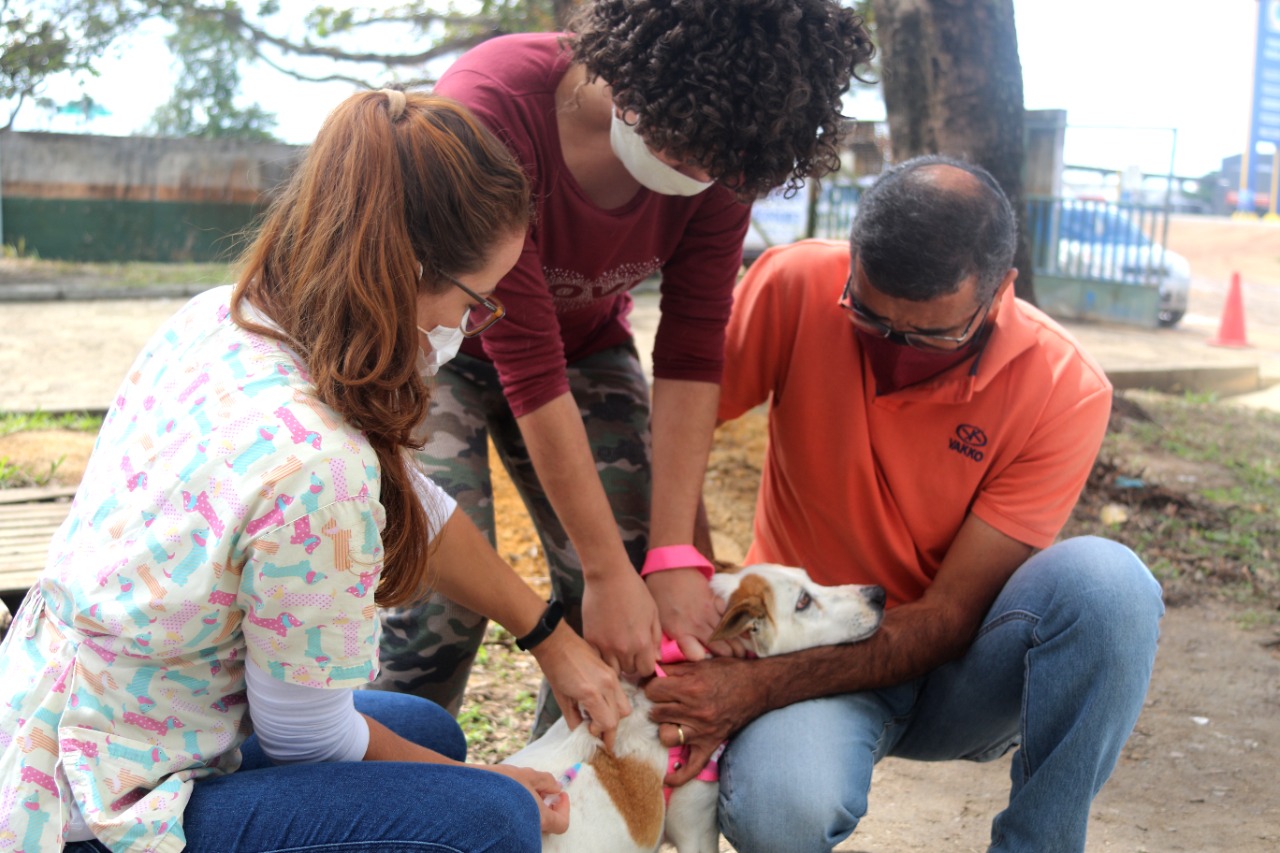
{"type": "Point", "coordinates": [72, 355]}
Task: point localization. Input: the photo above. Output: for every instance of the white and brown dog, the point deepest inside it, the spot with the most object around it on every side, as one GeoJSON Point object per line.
{"type": "Point", "coordinates": [617, 803]}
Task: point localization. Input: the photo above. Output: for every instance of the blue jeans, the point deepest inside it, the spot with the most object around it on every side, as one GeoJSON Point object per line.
{"type": "Point", "coordinates": [363, 806]}
{"type": "Point", "coordinates": [1059, 669]}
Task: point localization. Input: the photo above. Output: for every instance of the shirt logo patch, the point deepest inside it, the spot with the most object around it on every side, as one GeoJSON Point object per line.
{"type": "Point", "coordinates": [571, 290]}
{"type": "Point", "coordinates": [969, 441]}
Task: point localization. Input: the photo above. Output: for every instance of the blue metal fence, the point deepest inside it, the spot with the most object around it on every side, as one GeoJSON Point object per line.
{"type": "Point", "coordinates": [1097, 240]}
{"type": "Point", "coordinates": [836, 207]}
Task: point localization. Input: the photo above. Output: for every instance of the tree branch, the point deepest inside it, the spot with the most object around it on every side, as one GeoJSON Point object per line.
{"type": "Point", "coordinates": [255, 36]}
{"type": "Point", "coordinates": [340, 78]}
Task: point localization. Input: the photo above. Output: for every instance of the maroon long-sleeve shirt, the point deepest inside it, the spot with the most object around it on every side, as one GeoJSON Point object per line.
{"type": "Point", "coordinates": [568, 295]}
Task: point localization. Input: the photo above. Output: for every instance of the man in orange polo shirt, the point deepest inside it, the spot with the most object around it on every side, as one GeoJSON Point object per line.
{"type": "Point", "coordinates": [928, 432]}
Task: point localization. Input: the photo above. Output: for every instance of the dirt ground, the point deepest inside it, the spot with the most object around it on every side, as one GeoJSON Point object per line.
{"type": "Point", "coordinates": [1198, 774]}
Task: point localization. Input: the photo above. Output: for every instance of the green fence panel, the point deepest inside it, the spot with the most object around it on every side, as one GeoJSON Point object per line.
{"type": "Point", "coordinates": [114, 230]}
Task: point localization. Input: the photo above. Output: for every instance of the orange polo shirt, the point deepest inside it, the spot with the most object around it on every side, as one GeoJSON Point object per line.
{"type": "Point", "coordinates": [865, 489]}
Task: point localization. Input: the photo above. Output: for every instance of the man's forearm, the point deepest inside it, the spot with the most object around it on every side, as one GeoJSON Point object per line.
{"type": "Point", "coordinates": [912, 641]}
{"type": "Point", "coordinates": [914, 638]}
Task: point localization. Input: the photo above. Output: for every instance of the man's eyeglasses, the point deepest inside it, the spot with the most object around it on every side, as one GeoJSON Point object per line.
{"type": "Point", "coordinates": [874, 325]}
{"type": "Point", "coordinates": [487, 310]}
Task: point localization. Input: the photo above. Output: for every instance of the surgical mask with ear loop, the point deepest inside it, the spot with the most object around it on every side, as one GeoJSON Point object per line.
{"type": "Point", "coordinates": [653, 174]}
{"type": "Point", "coordinates": [445, 341]}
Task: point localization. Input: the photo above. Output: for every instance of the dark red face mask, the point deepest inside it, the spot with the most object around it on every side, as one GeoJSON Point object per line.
{"type": "Point", "coordinates": [898, 366]}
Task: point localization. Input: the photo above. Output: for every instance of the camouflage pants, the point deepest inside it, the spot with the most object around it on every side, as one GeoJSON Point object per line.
{"type": "Point", "coordinates": [428, 649]}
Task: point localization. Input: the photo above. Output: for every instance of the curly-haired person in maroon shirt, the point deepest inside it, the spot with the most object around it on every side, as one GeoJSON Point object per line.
{"type": "Point", "coordinates": [646, 132]}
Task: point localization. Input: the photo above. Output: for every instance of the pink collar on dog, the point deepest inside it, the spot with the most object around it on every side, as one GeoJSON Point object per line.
{"type": "Point", "coordinates": [678, 756]}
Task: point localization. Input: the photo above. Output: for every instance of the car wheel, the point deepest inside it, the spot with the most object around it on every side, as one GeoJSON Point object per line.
{"type": "Point", "coordinates": [1168, 318]}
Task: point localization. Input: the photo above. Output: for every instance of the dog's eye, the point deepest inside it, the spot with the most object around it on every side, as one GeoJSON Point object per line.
{"type": "Point", "coordinates": [803, 602]}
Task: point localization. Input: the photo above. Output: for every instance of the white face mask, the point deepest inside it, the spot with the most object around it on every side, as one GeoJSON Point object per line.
{"type": "Point", "coordinates": [645, 167]}
{"type": "Point", "coordinates": [445, 341]}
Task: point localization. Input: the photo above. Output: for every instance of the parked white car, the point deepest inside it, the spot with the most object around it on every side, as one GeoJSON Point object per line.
{"type": "Point", "coordinates": [1108, 242]}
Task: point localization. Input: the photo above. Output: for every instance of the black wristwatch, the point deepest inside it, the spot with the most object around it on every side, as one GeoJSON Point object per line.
{"type": "Point", "coordinates": [550, 619]}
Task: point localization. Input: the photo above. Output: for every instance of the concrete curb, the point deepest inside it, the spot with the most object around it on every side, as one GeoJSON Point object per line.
{"type": "Point", "coordinates": [1223, 381]}
{"type": "Point", "coordinates": [64, 291]}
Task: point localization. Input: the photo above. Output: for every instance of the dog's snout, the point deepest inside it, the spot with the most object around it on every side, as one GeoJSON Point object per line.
{"type": "Point", "coordinates": [874, 596]}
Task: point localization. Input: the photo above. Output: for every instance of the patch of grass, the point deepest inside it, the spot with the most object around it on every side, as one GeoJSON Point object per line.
{"type": "Point", "coordinates": [498, 711]}
{"type": "Point", "coordinates": [17, 477]}
{"type": "Point", "coordinates": [526, 702]}
{"type": "Point", "coordinates": [475, 726]}
{"type": "Point", "coordinates": [11, 422]}
{"type": "Point", "coordinates": [1204, 512]}
{"type": "Point", "coordinates": [17, 250]}
{"type": "Point", "coordinates": [139, 274]}
{"type": "Point", "coordinates": [1253, 620]}
{"type": "Point", "coordinates": [18, 265]}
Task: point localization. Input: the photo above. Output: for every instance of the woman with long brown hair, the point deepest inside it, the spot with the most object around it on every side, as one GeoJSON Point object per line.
{"type": "Point", "coordinates": [251, 500]}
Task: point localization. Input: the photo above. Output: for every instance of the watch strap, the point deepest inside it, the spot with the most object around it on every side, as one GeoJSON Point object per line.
{"type": "Point", "coordinates": [550, 619]}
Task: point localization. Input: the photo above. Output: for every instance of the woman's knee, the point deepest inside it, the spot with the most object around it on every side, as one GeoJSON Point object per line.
{"type": "Point", "coordinates": [512, 815]}
{"type": "Point", "coordinates": [414, 806]}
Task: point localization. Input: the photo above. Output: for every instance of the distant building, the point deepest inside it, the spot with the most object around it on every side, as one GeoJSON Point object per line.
{"type": "Point", "coordinates": [134, 198]}
{"type": "Point", "coordinates": [1227, 193]}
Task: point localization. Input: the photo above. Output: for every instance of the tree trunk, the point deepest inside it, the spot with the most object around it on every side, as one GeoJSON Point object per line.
{"type": "Point", "coordinates": [953, 85]}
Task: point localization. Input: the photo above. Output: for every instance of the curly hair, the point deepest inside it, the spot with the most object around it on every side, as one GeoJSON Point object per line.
{"type": "Point", "coordinates": [749, 90]}
{"type": "Point", "coordinates": [390, 183]}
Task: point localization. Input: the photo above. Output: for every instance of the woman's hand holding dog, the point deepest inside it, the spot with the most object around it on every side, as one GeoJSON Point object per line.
{"type": "Point", "coordinates": [584, 685]}
{"type": "Point", "coordinates": [553, 803]}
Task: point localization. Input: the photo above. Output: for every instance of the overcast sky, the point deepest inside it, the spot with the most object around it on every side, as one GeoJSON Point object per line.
{"type": "Point", "coordinates": [1115, 66]}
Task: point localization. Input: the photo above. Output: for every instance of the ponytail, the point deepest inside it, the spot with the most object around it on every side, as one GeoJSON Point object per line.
{"type": "Point", "coordinates": [393, 180]}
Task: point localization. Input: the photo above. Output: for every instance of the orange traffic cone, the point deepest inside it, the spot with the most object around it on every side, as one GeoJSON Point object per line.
{"type": "Point", "coordinates": [1231, 329]}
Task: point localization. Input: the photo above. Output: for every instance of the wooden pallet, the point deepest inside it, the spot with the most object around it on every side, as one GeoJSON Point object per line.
{"type": "Point", "coordinates": [28, 520]}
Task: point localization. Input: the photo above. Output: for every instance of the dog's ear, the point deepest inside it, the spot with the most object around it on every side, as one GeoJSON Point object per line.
{"type": "Point", "coordinates": [739, 616]}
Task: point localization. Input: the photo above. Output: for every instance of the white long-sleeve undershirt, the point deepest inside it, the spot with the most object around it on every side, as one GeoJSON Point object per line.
{"type": "Point", "coordinates": [304, 725]}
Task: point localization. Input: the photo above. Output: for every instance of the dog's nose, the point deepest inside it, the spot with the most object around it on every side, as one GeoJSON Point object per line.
{"type": "Point", "coordinates": [874, 595]}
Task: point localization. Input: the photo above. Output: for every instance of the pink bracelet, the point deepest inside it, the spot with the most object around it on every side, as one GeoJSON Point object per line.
{"type": "Point", "coordinates": [676, 557]}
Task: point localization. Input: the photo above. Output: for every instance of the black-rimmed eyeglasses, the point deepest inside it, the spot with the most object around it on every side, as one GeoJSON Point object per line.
{"type": "Point", "coordinates": [487, 310]}
{"type": "Point", "coordinates": [876, 325]}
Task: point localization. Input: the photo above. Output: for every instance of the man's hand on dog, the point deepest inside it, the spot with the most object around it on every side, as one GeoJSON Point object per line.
{"type": "Point", "coordinates": [709, 700]}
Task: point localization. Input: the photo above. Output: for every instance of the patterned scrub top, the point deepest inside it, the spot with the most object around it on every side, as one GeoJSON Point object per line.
{"type": "Point", "coordinates": [225, 514]}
